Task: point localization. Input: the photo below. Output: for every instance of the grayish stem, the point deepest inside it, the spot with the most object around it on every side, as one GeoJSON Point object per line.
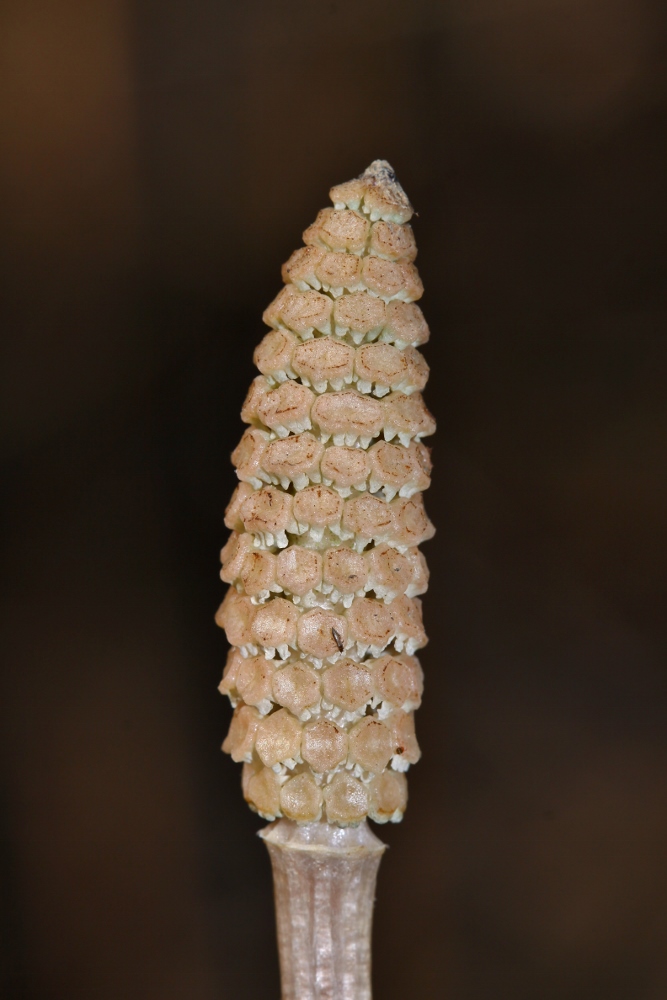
{"type": "Point", "coordinates": [324, 880]}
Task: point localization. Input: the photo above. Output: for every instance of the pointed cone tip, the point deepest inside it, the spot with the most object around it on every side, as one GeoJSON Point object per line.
{"type": "Point", "coordinates": [380, 174]}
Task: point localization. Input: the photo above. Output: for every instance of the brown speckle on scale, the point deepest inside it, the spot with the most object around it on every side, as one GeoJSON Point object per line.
{"type": "Point", "coordinates": [337, 640]}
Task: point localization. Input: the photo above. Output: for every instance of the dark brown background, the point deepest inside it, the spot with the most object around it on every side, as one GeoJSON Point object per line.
{"type": "Point", "coordinates": [159, 162]}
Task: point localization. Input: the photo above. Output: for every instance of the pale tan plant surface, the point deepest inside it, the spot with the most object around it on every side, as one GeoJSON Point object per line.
{"type": "Point", "coordinates": [323, 610]}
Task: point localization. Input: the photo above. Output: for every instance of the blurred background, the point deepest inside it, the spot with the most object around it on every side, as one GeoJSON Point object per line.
{"type": "Point", "coordinates": [158, 163]}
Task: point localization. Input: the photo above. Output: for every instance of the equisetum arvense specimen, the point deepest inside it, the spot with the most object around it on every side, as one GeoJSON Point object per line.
{"type": "Point", "coordinates": [323, 611]}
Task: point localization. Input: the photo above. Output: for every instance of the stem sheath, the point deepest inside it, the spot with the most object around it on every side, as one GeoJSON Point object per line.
{"type": "Point", "coordinates": [324, 880]}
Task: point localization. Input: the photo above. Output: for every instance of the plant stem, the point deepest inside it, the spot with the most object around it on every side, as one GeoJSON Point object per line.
{"type": "Point", "coordinates": [324, 880]}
